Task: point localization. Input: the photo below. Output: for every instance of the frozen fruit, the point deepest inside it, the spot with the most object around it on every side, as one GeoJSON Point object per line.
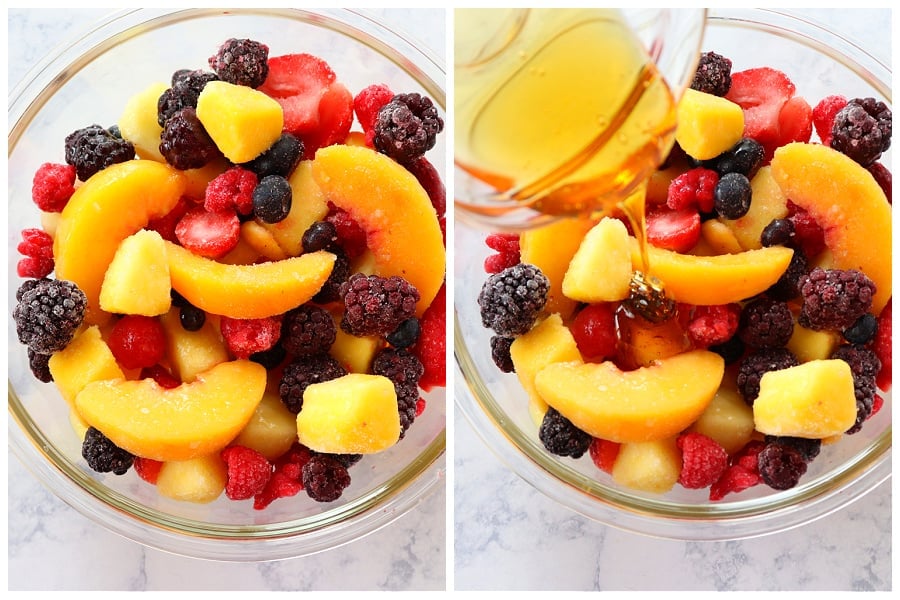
{"type": "Point", "coordinates": [248, 472]}
{"type": "Point", "coordinates": [794, 121]}
{"type": "Point", "coordinates": [137, 341]}
{"type": "Point", "coordinates": [713, 74]}
{"type": "Point", "coordinates": [512, 299]}
{"type": "Point", "coordinates": [241, 61]}
{"type": "Point", "coordinates": [781, 466]}
{"type": "Point", "coordinates": [36, 248]}
{"type": "Point", "coordinates": [810, 344]}
{"type": "Point", "coordinates": [594, 331]}
{"type": "Point", "coordinates": [48, 314]}
{"type": "Point", "coordinates": [431, 347]}
{"type": "Point", "coordinates": [732, 196]}
{"type": "Point", "coordinates": [271, 430]}
{"type": "Point", "coordinates": [85, 359]}
{"type": "Point", "coordinates": [366, 105]}
{"type": "Point", "coordinates": [508, 251]}
{"type": "Point", "coordinates": [745, 157]}
{"type": "Point", "coordinates": [200, 480]}
{"type": "Point", "coordinates": [650, 466]}
{"type": "Point", "coordinates": [325, 478]}
{"type": "Point", "coordinates": [52, 186]}
{"type": "Point", "coordinates": [281, 158]}
{"type": "Point", "coordinates": [675, 230]}
{"type": "Point", "coordinates": [604, 454]}
{"type": "Point", "coordinates": [708, 125]}
{"type": "Point", "coordinates": [185, 143]}
{"type": "Point", "coordinates": [834, 298]}
{"type": "Point", "coordinates": [272, 199]}
{"type": "Point", "coordinates": [714, 324]}
{"type": "Point", "coordinates": [147, 469]}
{"type": "Point", "coordinates": [761, 92]}
{"type": "Point", "coordinates": [208, 234]}
{"type": "Point", "coordinates": [768, 203]}
{"type": "Point", "coordinates": [882, 346]}
{"type": "Point", "coordinates": [102, 455]}
{"type": "Point", "coordinates": [242, 122]}
{"type": "Point", "coordinates": [231, 191]}
{"type": "Point", "coordinates": [244, 337]}
{"type": "Point", "coordinates": [407, 127]}
{"type": "Point", "coordinates": [766, 323]}
{"type": "Point", "coordinates": [862, 130]}
{"type": "Point", "coordinates": [312, 208]}
{"type": "Point", "coordinates": [727, 419]}
{"type": "Point", "coordinates": [307, 329]}
{"type": "Point", "coordinates": [93, 148]}
{"type": "Point", "coordinates": [561, 437]}
{"type": "Point", "coordinates": [823, 115]}
{"type": "Point", "coordinates": [703, 460]}
{"type": "Point", "coordinates": [693, 189]}
{"type": "Point", "coordinates": [600, 270]}
{"type": "Point", "coordinates": [376, 305]}
{"type": "Point", "coordinates": [500, 353]}
{"type": "Point", "coordinates": [137, 279]}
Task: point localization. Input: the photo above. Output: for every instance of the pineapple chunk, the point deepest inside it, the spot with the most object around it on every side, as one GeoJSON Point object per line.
{"type": "Point", "coordinates": [311, 207]}
{"type": "Point", "coordinates": [137, 280]}
{"type": "Point", "coordinates": [648, 466]}
{"type": "Point", "coordinates": [271, 430]}
{"type": "Point", "coordinates": [808, 344]}
{"type": "Point", "coordinates": [200, 480]}
{"type": "Point", "coordinates": [192, 352]}
{"type": "Point", "coordinates": [261, 240]}
{"type": "Point", "coordinates": [87, 358]}
{"type": "Point", "coordinates": [728, 419]}
{"type": "Point", "coordinates": [769, 203]}
{"type": "Point", "coordinates": [353, 414]}
{"type": "Point", "coordinates": [355, 353]}
{"type": "Point", "coordinates": [707, 125]}
{"type": "Point", "coordinates": [600, 271]}
{"type": "Point", "coordinates": [243, 122]}
{"type": "Point", "coordinates": [138, 122]}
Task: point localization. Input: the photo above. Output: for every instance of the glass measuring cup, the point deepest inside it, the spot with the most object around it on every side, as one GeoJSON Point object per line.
{"type": "Point", "coordinates": [564, 112]}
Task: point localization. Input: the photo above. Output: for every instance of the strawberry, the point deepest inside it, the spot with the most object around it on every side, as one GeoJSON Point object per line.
{"type": "Point", "coordinates": [209, 234]}
{"type": "Point", "coordinates": [794, 121]}
{"type": "Point", "coordinates": [430, 179]}
{"type": "Point", "coordinates": [761, 92]}
{"type": "Point", "coordinates": [147, 468]}
{"type": "Point", "coordinates": [823, 116]}
{"type": "Point", "coordinates": [882, 347]}
{"type": "Point", "coordinates": [165, 225]}
{"type": "Point", "coordinates": [432, 345]}
{"type": "Point", "coordinates": [604, 454]}
{"type": "Point", "coordinates": [677, 230]}
{"type": "Point", "coordinates": [335, 115]}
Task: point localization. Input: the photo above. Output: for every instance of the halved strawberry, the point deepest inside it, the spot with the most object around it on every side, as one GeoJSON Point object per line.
{"type": "Point", "coordinates": [165, 225]}
{"type": "Point", "coordinates": [297, 75]}
{"type": "Point", "coordinates": [431, 346]}
{"type": "Point", "coordinates": [761, 92]}
{"type": "Point", "coordinates": [335, 115]}
{"type": "Point", "coordinates": [823, 115]}
{"type": "Point", "coordinates": [209, 234]}
{"type": "Point", "coordinates": [604, 453]}
{"type": "Point", "coordinates": [677, 230]}
{"type": "Point", "coordinates": [795, 121]}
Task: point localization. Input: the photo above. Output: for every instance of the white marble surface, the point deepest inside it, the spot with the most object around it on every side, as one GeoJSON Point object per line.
{"type": "Point", "coordinates": [53, 547]}
{"type": "Point", "coordinates": [509, 536]}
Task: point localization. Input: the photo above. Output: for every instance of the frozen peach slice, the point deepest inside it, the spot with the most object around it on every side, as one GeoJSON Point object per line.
{"type": "Point", "coordinates": [706, 280]}
{"type": "Point", "coordinates": [248, 291]}
{"type": "Point", "coordinates": [178, 423]}
{"type": "Point", "coordinates": [849, 205]}
{"type": "Point", "coordinates": [401, 225]}
{"type": "Point", "coordinates": [113, 204]}
{"type": "Point", "coordinates": [649, 403]}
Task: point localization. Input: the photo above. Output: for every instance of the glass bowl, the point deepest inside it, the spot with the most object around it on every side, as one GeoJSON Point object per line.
{"type": "Point", "coordinates": [89, 81]}
{"type": "Point", "coordinates": [820, 63]}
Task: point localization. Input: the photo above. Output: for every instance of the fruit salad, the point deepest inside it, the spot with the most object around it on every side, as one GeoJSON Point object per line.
{"type": "Point", "coordinates": [238, 287]}
{"type": "Point", "coordinates": [753, 326]}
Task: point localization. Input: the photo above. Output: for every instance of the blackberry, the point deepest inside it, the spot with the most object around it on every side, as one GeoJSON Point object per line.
{"type": "Point", "coordinates": [307, 329]}
{"type": "Point", "coordinates": [279, 159]}
{"type": "Point", "coordinates": [321, 235]}
{"type": "Point", "coordinates": [340, 272]}
{"type": "Point", "coordinates": [184, 142]}
{"type": "Point", "coordinates": [102, 455]}
{"type": "Point", "coordinates": [92, 149]}
{"type": "Point", "coordinates": [864, 365]}
{"type": "Point", "coordinates": [732, 195]}
{"type": "Point", "coordinates": [348, 460]}
{"type": "Point", "coordinates": [731, 351]}
{"type": "Point", "coordinates": [407, 127]}
{"type": "Point", "coordinates": [270, 358]}
{"type": "Point", "coordinates": [758, 363]}
{"type": "Point", "coordinates": [272, 199]}
{"type": "Point", "coordinates": [48, 313]}
{"type": "Point", "coordinates": [191, 317]}
{"type": "Point", "coordinates": [511, 300]}
{"type": "Point", "coordinates": [40, 366]}
{"type": "Point", "coordinates": [713, 74]}
{"type": "Point", "coordinates": [241, 62]}
{"type": "Point", "coordinates": [863, 330]}
{"type": "Point", "coordinates": [500, 346]}
{"type": "Point", "coordinates": [862, 130]}
{"type": "Point", "coordinates": [788, 285]}
{"type": "Point", "coordinates": [561, 437]}
{"type": "Point", "coordinates": [324, 478]}
{"type": "Point", "coordinates": [745, 157]}
{"type": "Point", "coordinates": [404, 370]}
{"type": "Point", "coordinates": [766, 323]}
{"type": "Point", "coordinates": [302, 372]}
{"type": "Point", "coordinates": [809, 448]}
{"type": "Point", "coordinates": [834, 298]}
{"type": "Point", "coordinates": [406, 334]}
{"type": "Point", "coordinates": [375, 305]}
{"type": "Point", "coordinates": [185, 90]}
{"type": "Point", "coordinates": [779, 232]}
{"type": "Point", "coordinates": [781, 465]}
{"type": "Point", "coordinates": [27, 286]}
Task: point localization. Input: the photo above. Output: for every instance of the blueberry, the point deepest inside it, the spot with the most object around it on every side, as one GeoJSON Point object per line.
{"type": "Point", "coordinates": [279, 159]}
{"type": "Point", "coordinates": [272, 199]}
{"type": "Point", "coordinates": [191, 317]}
{"type": "Point", "coordinates": [863, 330]}
{"type": "Point", "coordinates": [732, 195]}
{"type": "Point", "coordinates": [405, 335]}
{"type": "Point", "coordinates": [777, 233]}
{"type": "Point", "coordinates": [320, 236]}
{"type": "Point", "coordinates": [745, 158]}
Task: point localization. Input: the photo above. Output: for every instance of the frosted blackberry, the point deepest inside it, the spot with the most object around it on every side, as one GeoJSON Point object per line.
{"type": "Point", "coordinates": [781, 466]}
{"type": "Point", "coordinates": [758, 363]}
{"type": "Point", "coordinates": [375, 305]}
{"type": "Point", "coordinates": [307, 329]}
{"type": "Point", "coordinates": [512, 299]}
{"type": "Point", "coordinates": [864, 365]}
{"type": "Point", "coordinates": [185, 90]}
{"type": "Point", "coordinates": [713, 75]}
{"type": "Point", "coordinates": [48, 313]}
{"type": "Point", "coordinates": [92, 149]}
{"type": "Point", "coordinates": [788, 285]}
{"type": "Point", "coordinates": [500, 353]}
{"type": "Point", "coordinates": [304, 371]}
{"type": "Point", "coordinates": [279, 159]}
{"type": "Point", "coordinates": [241, 62]}
{"type": "Point", "coordinates": [766, 323]}
{"type": "Point", "coordinates": [404, 370]}
{"type": "Point", "coordinates": [808, 448]}
{"type": "Point", "coordinates": [561, 437]}
{"type": "Point", "coordinates": [407, 127]}
{"type": "Point", "coordinates": [340, 272]}
{"type": "Point", "coordinates": [324, 478]}
{"type": "Point", "coordinates": [833, 299]}
{"type": "Point", "coordinates": [102, 455]}
{"type": "Point", "coordinates": [184, 142]}
{"type": "Point", "coordinates": [862, 130]}
{"type": "Point", "coordinates": [40, 366]}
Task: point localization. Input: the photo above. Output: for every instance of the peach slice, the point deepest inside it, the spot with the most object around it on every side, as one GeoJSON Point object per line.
{"type": "Point", "coordinates": [649, 403]}
{"type": "Point", "coordinates": [113, 204]}
{"type": "Point", "coordinates": [179, 423]}
{"type": "Point", "coordinates": [401, 225]}
{"type": "Point", "coordinates": [849, 205]}
{"type": "Point", "coordinates": [248, 291]}
{"type": "Point", "coordinates": [706, 280]}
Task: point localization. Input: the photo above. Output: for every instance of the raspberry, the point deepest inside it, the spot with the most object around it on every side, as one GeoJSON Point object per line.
{"type": "Point", "coordinates": [421, 404]}
{"type": "Point", "coordinates": [272, 199]}
{"type": "Point", "coordinates": [561, 437]}
{"type": "Point", "coordinates": [102, 455]}
{"type": "Point", "coordinates": [166, 224]}
{"type": "Point", "coordinates": [431, 348]}
{"type": "Point", "coordinates": [244, 337]}
{"type": "Point", "coordinates": [48, 313]}
{"type": "Point", "coordinates": [766, 323]}
{"type": "Point", "coordinates": [52, 186]}
{"type": "Point", "coordinates": [94, 148]}
{"type": "Point", "coordinates": [877, 403]}
{"type": "Point", "coordinates": [39, 364]}
{"type": "Point", "coordinates": [834, 298]}
{"type": "Point", "coordinates": [808, 448]}
{"type": "Point", "coordinates": [781, 466]}
{"type": "Point", "coordinates": [137, 341]}
{"type": "Point", "coordinates": [231, 191]}
{"type": "Point", "coordinates": [406, 334]}
{"type": "Point", "coordinates": [862, 130]}
{"type": "Point", "coordinates": [732, 195]}
{"type": "Point", "coordinates": [512, 299]}
{"type": "Point", "coordinates": [594, 330]}
{"type": "Point", "coordinates": [307, 329]}
{"type": "Point", "coordinates": [882, 347]}
{"type": "Point", "coordinates": [375, 305]}
{"type": "Point", "coordinates": [713, 75]}
{"type": "Point", "coordinates": [241, 62]}
{"type": "Point", "coordinates": [407, 127]}
{"type": "Point", "coordinates": [808, 235]}
{"type": "Point", "coordinates": [748, 456]}
{"type": "Point", "coordinates": [823, 116]}
{"type": "Point", "coordinates": [184, 142]}
{"type": "Point", "coordinates": [325, 478]}
{"type": "Point", "coordinates": [321, 235]}
{"type": "Point", "coordinates": [500, 353]}
{"type": "Point", "coordinates": [883, 177]}
{"type": "Point", "coordinates": [758, 363]}
{"type": "Point", "coordinates": [745, 157]}
{"type": "Point", "coordinates": [147, 469]}
{"type": "Point", "coordinates": [37, 248]}
{"type": "Point", "coordinates": [351, 237]}
{"type": "Point", "coordinates": [741, 474]}
{"type": "Point", "coordinates": [508, 252]}
{"type": "Point", "coordinates": [280, 159]}
{"type": "Point", "coordinates": [303, 372]}
{"type": "Point", "coordinates": [604, 454]}
{"type": "Point", "coordinates": [209, 234]}
{"type": "Point", "coordinates": [703, 460]}
{"type": "Point", "coordinates": [713, 325]}
{"type": "Point", "coordinates": [285, 479]}
{"type": "Point", "coordinates": [366, 105]}
{"type": "Point", "coordinates": [693, 189]}
{"type": "Point", "coordinates": [161, 376]}
{"type": "Point", "coordinates": [248, 472]}
{"type": "Point", "coordinates": [185, 90]}
{"type": "Point", "coordinates": [404, 370]}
